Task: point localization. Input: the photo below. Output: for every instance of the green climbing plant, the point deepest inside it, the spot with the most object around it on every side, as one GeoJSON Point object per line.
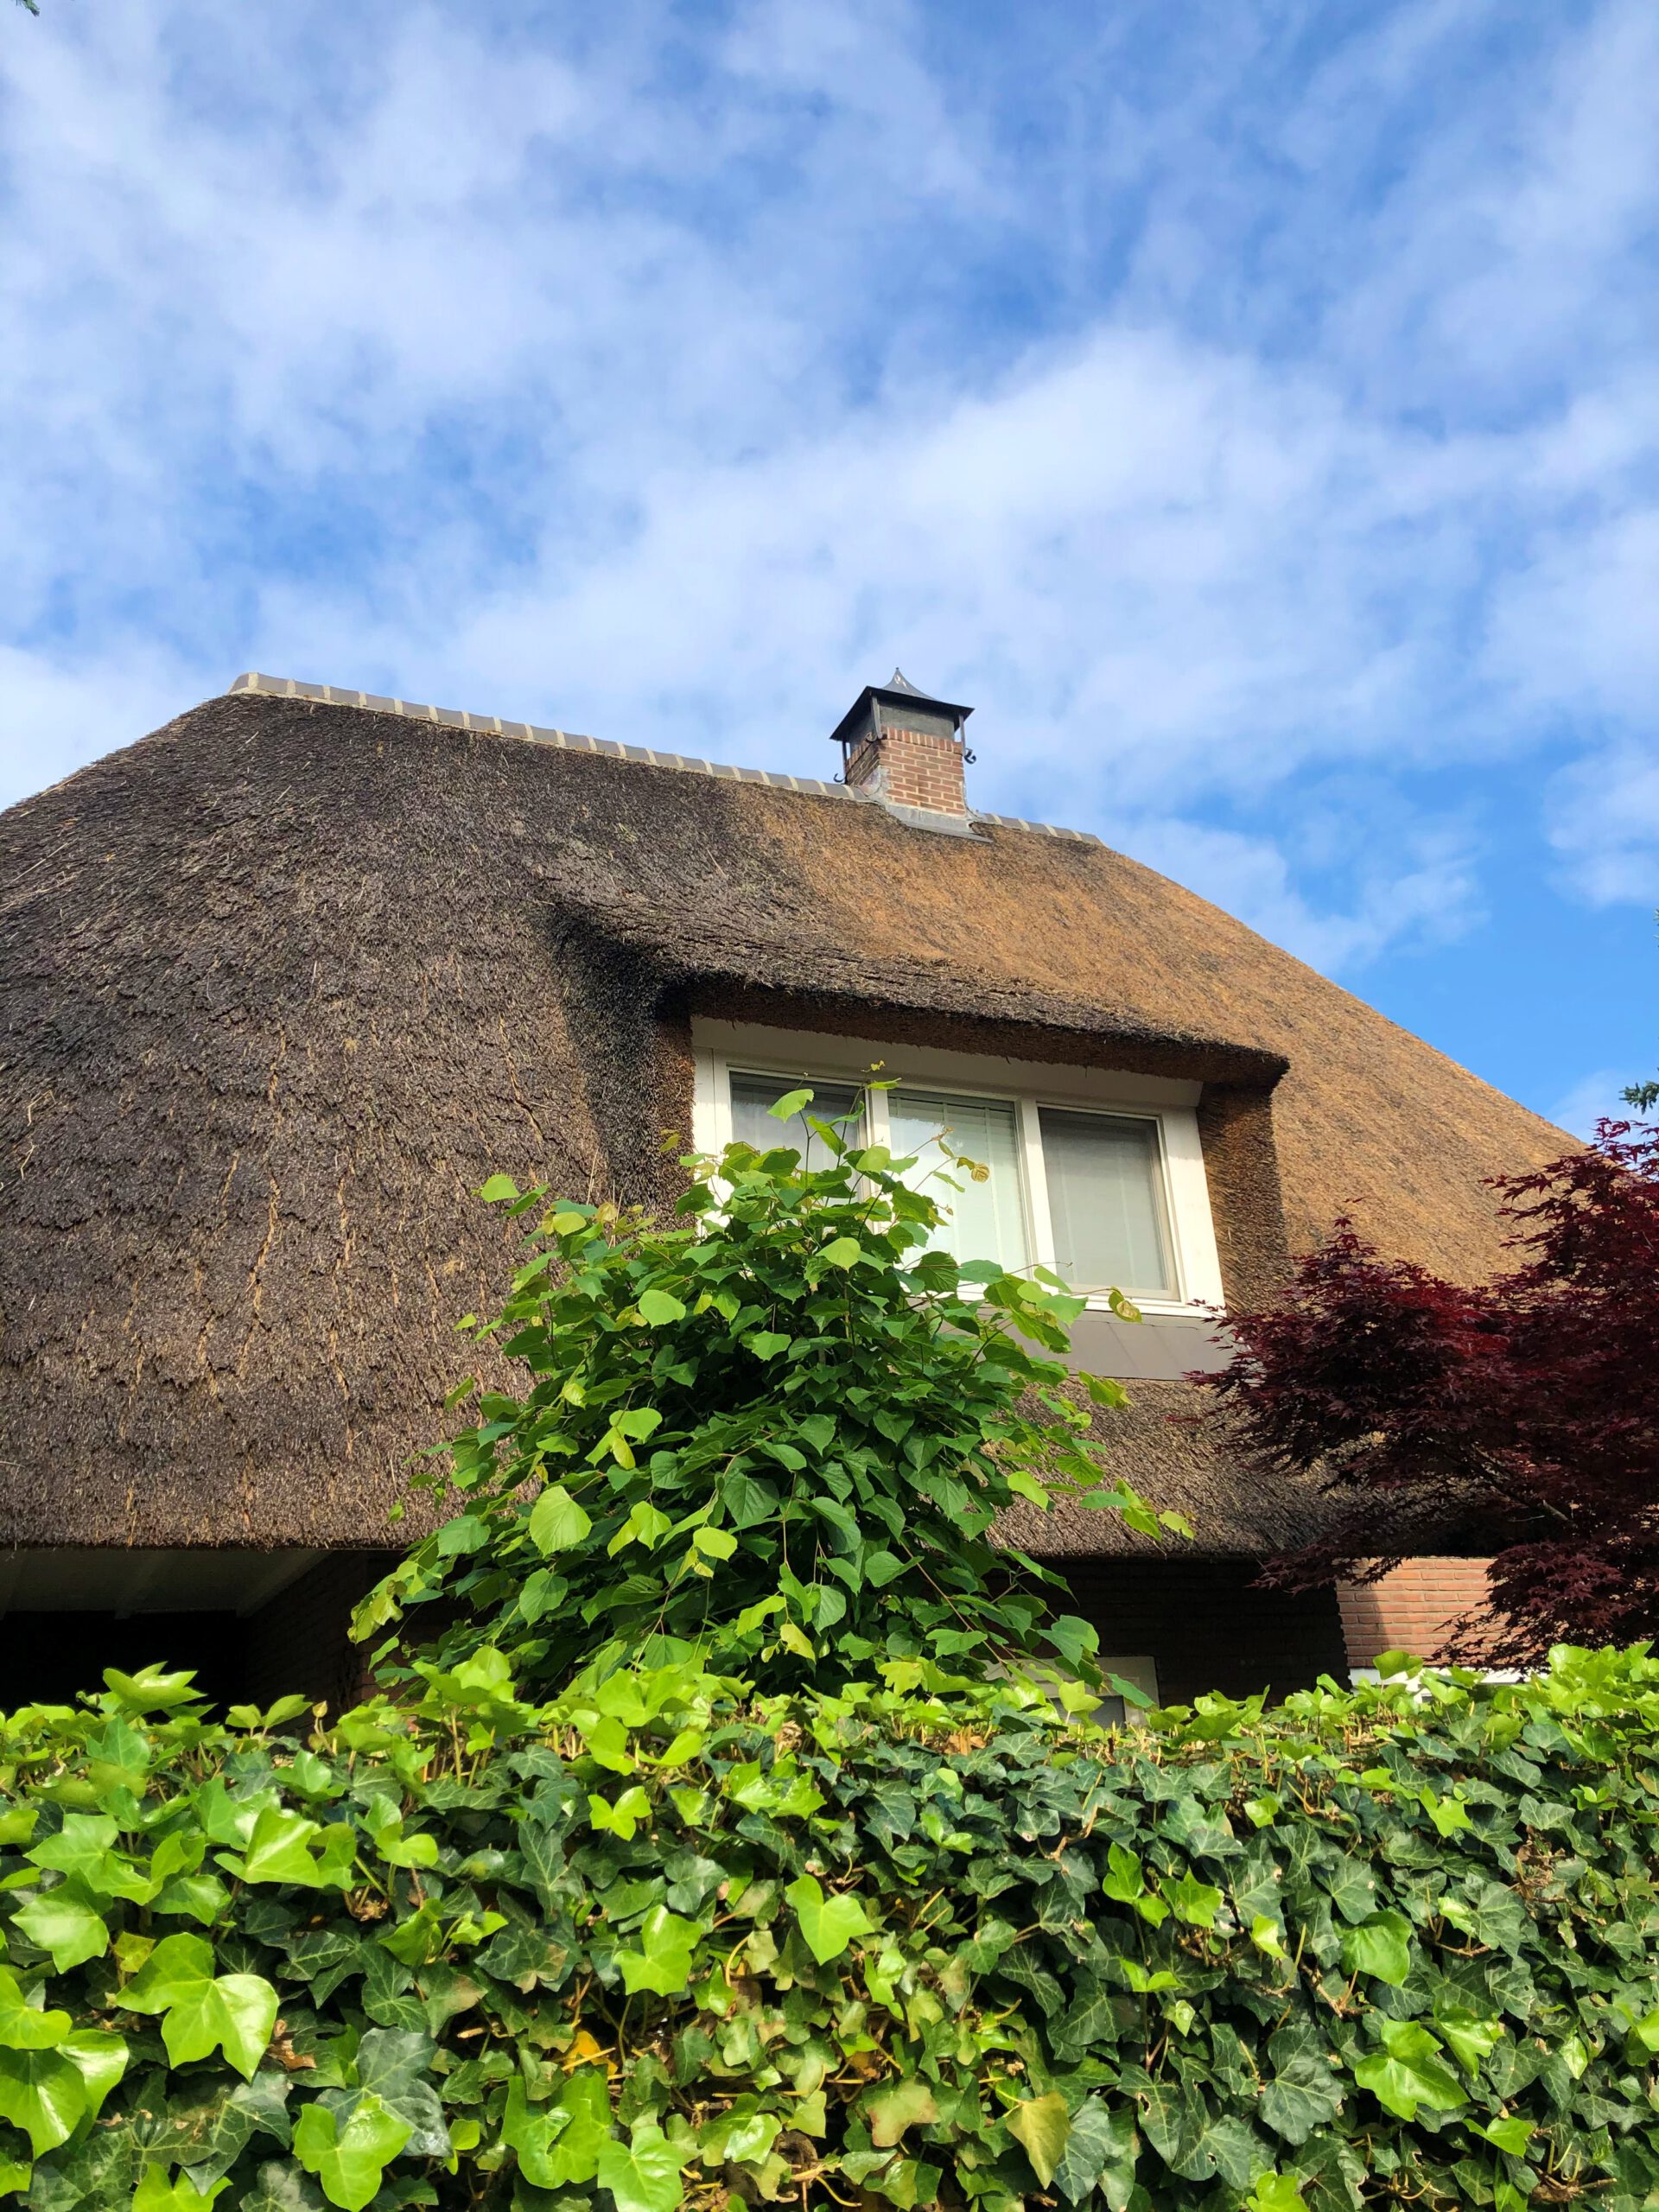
{"type": "Point", "coordinates": [774, 1432]}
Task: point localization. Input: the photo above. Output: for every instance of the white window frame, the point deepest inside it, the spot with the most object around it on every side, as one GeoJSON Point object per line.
{"type": "Point", "coordinates": [798, 1056]}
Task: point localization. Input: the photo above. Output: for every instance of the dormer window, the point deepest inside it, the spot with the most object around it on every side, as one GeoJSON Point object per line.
{"type": "Point", "coordinates": [1098, 1176]}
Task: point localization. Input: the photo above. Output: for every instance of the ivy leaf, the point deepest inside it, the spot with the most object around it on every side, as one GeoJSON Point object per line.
{"type": "Point", "coordinates": [1192, 1901]}
{"type": "Point", "coordinates": [279, 1850]}
{"type": "Point", "coordinates": [1100, 2141]}
{"type": "Point", "coordinates": [1379, 1946]}
{"type": "Point", "coordinates": [349, 2161]}
{"type": "Point", "coordinates": [233, 2012]}
{"type": "Point", "coordinates": [395, 2065]}
{"type": "Point", "coordinates": [83, 1848]}
{"type": "Point", "coordinates": [829, 1924]}
{"type": "Point", "coordinates": [158, 2192]}
{"type": "Point", "coordinates": [1510, 2134]}
{"type": "Point", "coordinates": [1043, 2126]}
{"type": "Point", "coordinates": [24, 2026]}
{"type": "Point", "coordinates": [1305, 2094]}
{"type": "Point", "coordinates": [1409, 2071]}
{"type": "Point", "coordinates": [643, 2174]}
{"type": "Point", "coordinates": [891, 2111]}
{"type": "Point", "coordinates": [662, 1962]}
{"type": "Point", "coordinates": [280, 2187]}
{"type": "Point", "coordinates": [558, 1523]}
{"type": "Point", "coordinates": [44, 2093]}
{"type": "Point", "coordinates": [62, 1923]}
{"type": "Point", "coordinates": [622, 1818]}
{"type": "Point", "coordinates": [1468, 2036]}
{"type": "Point", "coordinates": [586, 2104]}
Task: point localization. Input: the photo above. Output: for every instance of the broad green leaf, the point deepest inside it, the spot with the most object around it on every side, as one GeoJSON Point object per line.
{"type": "Point", "coordinates": [1266, 1936]}
{"type": "Point", "coordinates": [719, 1543]}
{"type": "Point", "coordinates": [905, 2103]}
{"type": "Point", "coordinates": [747, 1501]}
{"type": "Point", "coordinates": [396, 2065]}
{"type": "Point", "coordinates": [646, 1524]}
{"type": "Point", "coordinates": [585, 2103]}
{"type": "Point", "coordinates": [24, 2026]}
{"type": "Point", "coordinates": [279, 1850]}
{"type": "Point", "coordinates": [1471, 2037]}
{"type": "Point", "coordinates": [766, 1343]}
{"type": "Point", "coordinates": [202, 2013]}
{"type": "Point", "coordinates": [658, 1307]}
{"type": "Point", "coordinates": [1043, 2126]}
{"type": "Point", "coordinates": [1380, 1946]}
{"type": "Point", "coordinates": [160, 2192]}
{"type": "Point", "coordinates": [663, 1962]}
{"type": "Point", "coordinates": [1409, 2071]}
{"type": "Point", "coordinates": [152, 1690]}
{"type": "Point", "coordinates": [829, 1924]}
{"type": "Point", "coordinates": [1125, 1881]}
{"type": "Point", "coordinates": [1510, 2134]}
{"type": "Point", "coordinates": [497, 1188]}
{"type": "Point", "coordinates": [841, 1252]}
{"type": "Point", "coordinates": [1306, 2093]}
{"type": "Point", "coordinates": [1099, 2149]}
{"type": "Point", "coordinates": [1276, 2193]}
{"type": "Point", "coordinates": [558, 1523]}
{"type": "Point", "coordinates": [349, 2161]}
{"type": "Point", "coordinates": [786, 1108]}
{"type": "Point", "coordinates": [84, 1848]}
{"type": "Point", "coordinates": [643, 2174]}
{"type": "Point", "coordinates": [62, 1923]}
{"type": "Point", "coordinates": [623, 1817]}
{"type": "Point", "coordinates": [44, 2093]}
{"type": "Point", "coordinates": [1194, 1901]}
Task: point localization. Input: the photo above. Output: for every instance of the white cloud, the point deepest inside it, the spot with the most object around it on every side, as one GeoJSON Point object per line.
{"type": "Point", "coordinates": [1594, 1097]}
{"type": "Point", "coordinates": [671, 383]}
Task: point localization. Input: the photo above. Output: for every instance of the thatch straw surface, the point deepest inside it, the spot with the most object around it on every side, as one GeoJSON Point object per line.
{"type": "Point", "coordinates": [283, 982]}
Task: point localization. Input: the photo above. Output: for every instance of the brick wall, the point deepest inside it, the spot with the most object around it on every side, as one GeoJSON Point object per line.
{"type": "Point", "coordinates": [1206, 1628]}
{"type": "Point", "coordinates": [299, 1640]}
{"type": "Point", "coordinates": [1411, 1609]}
{"type": "Point", "coordinates": [913, 767]}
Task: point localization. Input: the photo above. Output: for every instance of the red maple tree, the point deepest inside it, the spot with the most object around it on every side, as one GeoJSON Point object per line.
{"type": "Point", "coordinates": [1519, 1417]}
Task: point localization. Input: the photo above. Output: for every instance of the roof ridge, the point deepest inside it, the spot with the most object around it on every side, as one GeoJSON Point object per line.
{"type": "Point", "coordinates": [334, 694]}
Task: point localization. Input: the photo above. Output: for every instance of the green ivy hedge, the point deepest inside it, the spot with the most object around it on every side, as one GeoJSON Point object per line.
{"type": "Point", "coordinates": [657, 1945]}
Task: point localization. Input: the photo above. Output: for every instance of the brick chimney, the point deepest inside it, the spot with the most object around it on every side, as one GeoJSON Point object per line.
{"type": "Point", "coordinates": [907, 750]}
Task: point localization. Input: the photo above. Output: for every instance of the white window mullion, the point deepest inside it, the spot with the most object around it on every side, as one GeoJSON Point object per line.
{"type": "Point", "coordinates": [1036, 1213]}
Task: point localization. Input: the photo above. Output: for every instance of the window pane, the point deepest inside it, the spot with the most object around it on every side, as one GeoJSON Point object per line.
{"type": "Point", "coordinates": [1106, 1199]}
{"type": "Point", "coordinates": [987, 1221]}
{"type": "Point", "coordinates": [753, 1096]}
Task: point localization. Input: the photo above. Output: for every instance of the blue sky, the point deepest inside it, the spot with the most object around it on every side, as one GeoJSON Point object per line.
{"type": "Point", "coordinates": [1251, 408]}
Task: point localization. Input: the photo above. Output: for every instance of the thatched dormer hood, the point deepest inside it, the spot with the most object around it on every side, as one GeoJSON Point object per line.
{"type": "Point", "coordinates": [283, 982]}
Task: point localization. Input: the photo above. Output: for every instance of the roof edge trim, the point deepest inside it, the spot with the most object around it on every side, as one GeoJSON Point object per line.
{"type": "Point", "coordinates": [333, 695]}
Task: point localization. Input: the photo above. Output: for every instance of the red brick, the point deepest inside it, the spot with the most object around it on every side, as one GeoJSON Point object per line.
{"type": "Point", "coordinates": [1412, 1608]}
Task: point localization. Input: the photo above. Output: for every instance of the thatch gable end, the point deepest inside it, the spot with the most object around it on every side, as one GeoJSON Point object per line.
{"type": "Point", "coordinates": [283, 982]}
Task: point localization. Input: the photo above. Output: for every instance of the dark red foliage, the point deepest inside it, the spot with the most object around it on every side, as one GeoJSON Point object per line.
{"type": "Point", "coordinates": [1521, 1416]}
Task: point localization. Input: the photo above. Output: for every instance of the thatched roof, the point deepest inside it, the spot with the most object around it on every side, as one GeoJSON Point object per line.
{"type": "Point", "coordinates": [284, 981]}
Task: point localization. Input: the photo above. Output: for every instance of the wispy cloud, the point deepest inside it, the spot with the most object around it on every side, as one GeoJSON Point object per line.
{"type": "Point", "coordinates": [1255, 418]}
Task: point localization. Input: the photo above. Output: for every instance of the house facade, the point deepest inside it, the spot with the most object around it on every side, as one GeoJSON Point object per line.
{"type": "Point", "coordinates": [285, 980]}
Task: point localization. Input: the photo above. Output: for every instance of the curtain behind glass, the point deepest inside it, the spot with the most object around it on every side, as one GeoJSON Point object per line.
{"type": "Point", "coordinates": [986, 1221]}
{"type": "Point", "coordinates": [1105, 1198]}
{"type": "Point", "coordinates": [752, 1095]}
